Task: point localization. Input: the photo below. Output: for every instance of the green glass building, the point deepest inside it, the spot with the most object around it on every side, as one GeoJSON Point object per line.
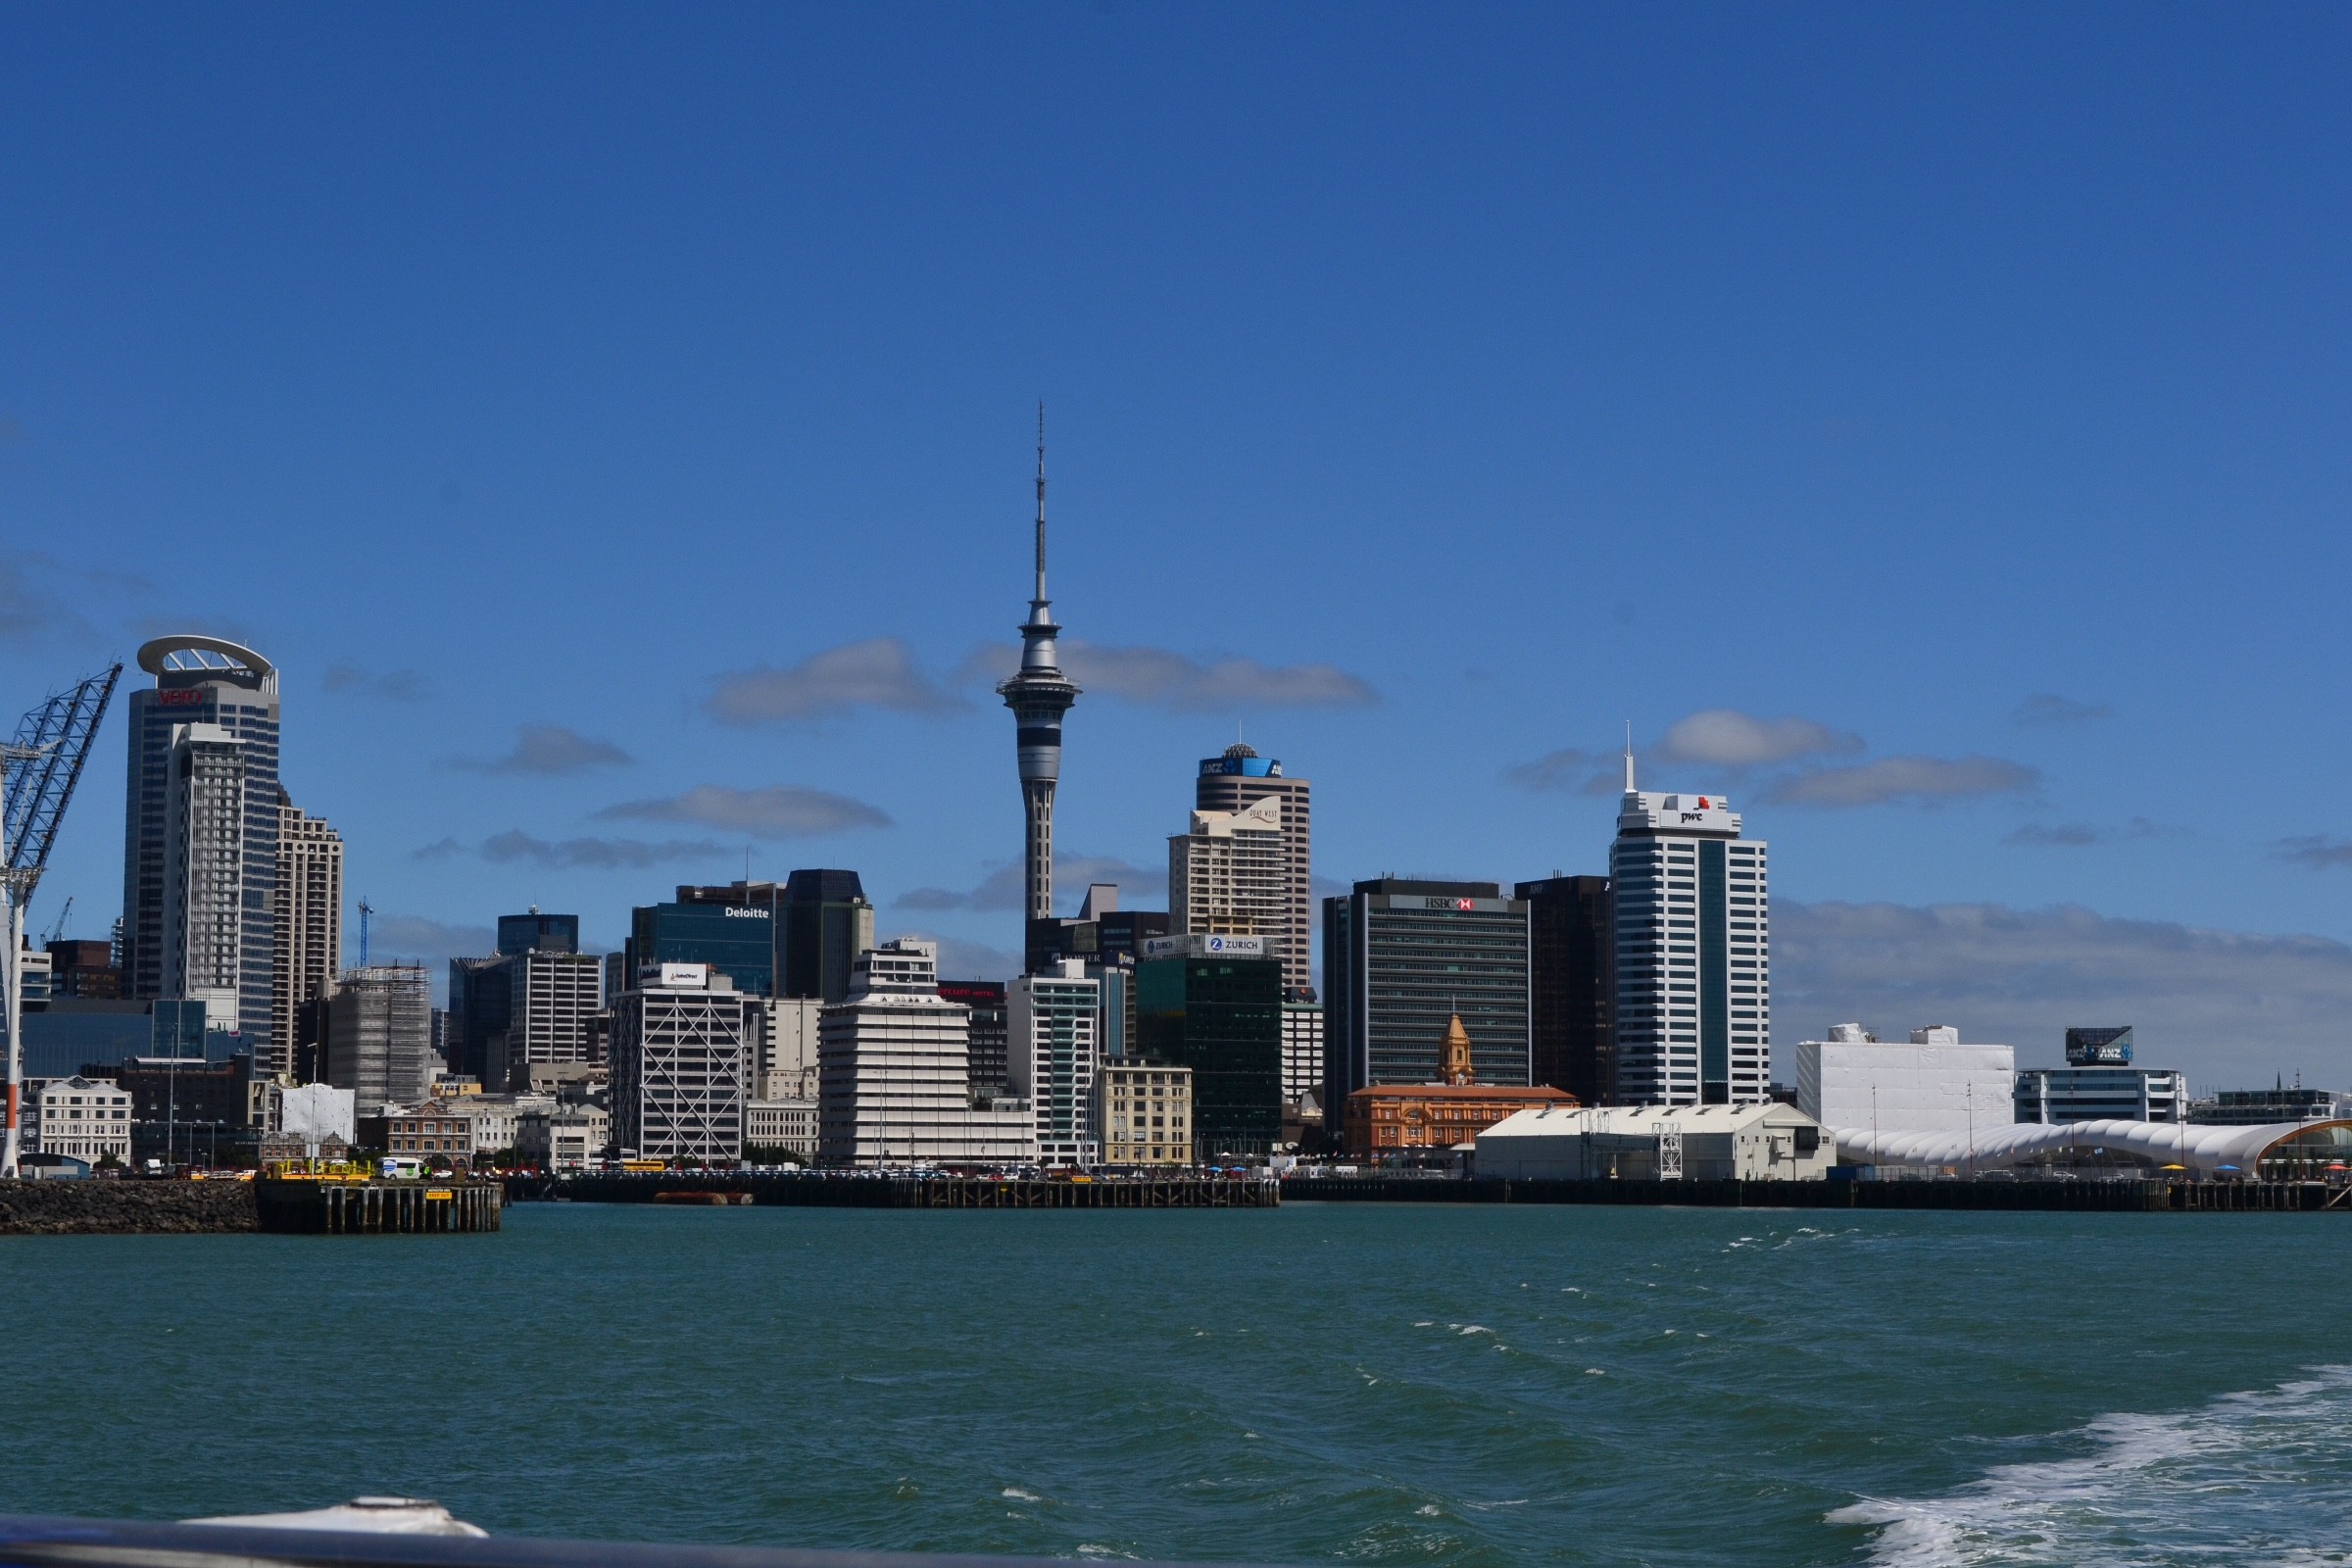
{"type": "Point", "coordinates": [1213, 1004]}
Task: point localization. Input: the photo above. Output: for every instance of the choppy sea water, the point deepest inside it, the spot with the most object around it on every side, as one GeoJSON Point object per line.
{"type": "Point", "coordinates": [1419, 1385]}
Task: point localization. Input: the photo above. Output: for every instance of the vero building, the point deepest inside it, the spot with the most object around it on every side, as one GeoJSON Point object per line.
{"type": "Point", "coordinates": [1694, 1001]}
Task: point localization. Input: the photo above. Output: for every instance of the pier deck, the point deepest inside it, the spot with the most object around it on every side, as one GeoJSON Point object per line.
{"type": "Point", "coordinates": [899, 1191]}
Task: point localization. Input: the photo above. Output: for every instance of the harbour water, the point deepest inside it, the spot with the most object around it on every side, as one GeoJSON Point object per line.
{"type": "Point", "coordinates": [1471, 1386]}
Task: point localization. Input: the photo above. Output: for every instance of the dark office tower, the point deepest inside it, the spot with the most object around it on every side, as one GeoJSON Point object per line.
{"type": "Point", "coordinates": [737, 940]}
{"type": "Point", "coordinates": [1202, 1004]}
{"type": "Point", "coordinates": [537, 933]}
{"type": "Point", "coordinates": [202, 681]}
{"type": "Point", "coordinates": [1039, 696]}
{"type": "Point", "coordinates": [1400, 960]}
{"type": "Point", "coordinates": [1237, 780]}
{"type": "Point", "coordinates": [988, 1041]}
{"type": "Point", "coordinates": [768, 896]}
{"type": "Point", "coordinates": [827, 923]}
{"type": "Point", "coordinates": [1572, 980]}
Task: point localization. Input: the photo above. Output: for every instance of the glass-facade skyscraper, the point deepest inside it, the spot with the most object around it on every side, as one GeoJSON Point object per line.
{"type": "Point", "coordinates": [202, 681]}
{"type": "Point", "coordinates": [1402, 958]}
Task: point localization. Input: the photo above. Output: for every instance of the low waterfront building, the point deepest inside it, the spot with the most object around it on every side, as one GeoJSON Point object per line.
{"type": "Point", "coordinates": [681, 1061]}
{"type": "Point", "coordinates": [2278, 1151]}
{"type": "Point", "coordinates": [893, 1084]}
{"type": "Point", "coordinates": [187, 1110]}
{"type": "Point", "coordinates": [563, 1137]}
{"type": "Point", "coordinates": [779, 1126]}
{"type": "Point", "coordinates": [1767, 1142]}
{"type": "Point", "coordinates": [2256, 1108]}
{"type": "Point", "coordinates": [306, 1117]}
{"type": "Point", "coordinates": [2054, 1096]}
{"type": "Point", "coordinates": [427, 1131]}
{"type": "Point", "coordinates": [1421, 1118]}
{"type": "Point", "coordinates": [1145, 1113]}
{"type": "Point", "coordinates": [1932, 1083]}
{"type": "Point", "coordinates": [87, 1119]}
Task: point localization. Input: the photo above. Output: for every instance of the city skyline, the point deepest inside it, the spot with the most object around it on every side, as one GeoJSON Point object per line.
{"type": "Point", "coordinates": [1949, 544]}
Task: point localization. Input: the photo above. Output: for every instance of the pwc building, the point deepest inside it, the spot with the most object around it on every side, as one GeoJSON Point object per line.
{"type": "Point", "coordinates": [1693, 989]}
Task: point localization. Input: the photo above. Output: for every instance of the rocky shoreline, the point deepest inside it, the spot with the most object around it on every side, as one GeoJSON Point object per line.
{"type": "Point", "coordinates": [95, 1207]}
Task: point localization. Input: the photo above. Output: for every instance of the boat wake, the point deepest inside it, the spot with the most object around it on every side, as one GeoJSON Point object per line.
{"type": "Point", "coordinates": [2257, 1478]}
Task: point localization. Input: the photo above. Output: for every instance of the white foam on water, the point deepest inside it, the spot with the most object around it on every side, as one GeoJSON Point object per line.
{"type": "Point", "coordinates": [2257, 1479]}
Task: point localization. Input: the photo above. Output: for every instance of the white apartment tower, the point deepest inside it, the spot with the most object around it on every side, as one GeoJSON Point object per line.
{"type": "Point", "coordinates": [310, 931]}
{"type": "Point", "coordinates": [1229, 876]}
{"type": "Point", "coordinates": [1241, 778]}
{"type": "Point", "coordinates": [1693, 953]}
{"type": "Point", "coordinates": [205, 932]}
{"type": "Point", "coordinates": [893, 1084]}
{"type": "Point", "coordinates": [553, 1000]}
{"type": "Point", "coordinates": [1054, 1057]}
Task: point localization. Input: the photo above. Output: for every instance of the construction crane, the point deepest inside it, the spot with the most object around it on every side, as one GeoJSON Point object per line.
{"type": "Point", "coordinates": [366, 910]}
{"type": "Point", "coordinates": [44, 764]}
{"type": "Point", "coordinates": [58, 930]}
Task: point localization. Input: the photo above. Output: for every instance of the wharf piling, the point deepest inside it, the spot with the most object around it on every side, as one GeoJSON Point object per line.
{"type": "Point", "coordinates": [296, 1207]}
{"type": "Point", "coordinates": [826, 1191]}
{"type": "Point", "coordinates": [2114, 1196]}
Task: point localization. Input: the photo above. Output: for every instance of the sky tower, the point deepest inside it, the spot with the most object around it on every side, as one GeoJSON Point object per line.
{"type": "Point", "coordinates": [1039, 696]}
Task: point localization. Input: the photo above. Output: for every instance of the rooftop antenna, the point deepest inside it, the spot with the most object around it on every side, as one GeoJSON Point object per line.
{"type": "Point", "coordinates": [1040, 498]}
{"type": "Point", "coordinates": [1629, 756]}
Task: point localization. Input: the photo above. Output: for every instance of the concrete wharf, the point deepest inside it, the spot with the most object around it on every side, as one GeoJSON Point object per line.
{"type": "Point", "coordinates": [844, 1191]}
{"type": "Point", "coordinates": [2139, 1196]}
{"type": "Point", "coordinates": [304, 1207]}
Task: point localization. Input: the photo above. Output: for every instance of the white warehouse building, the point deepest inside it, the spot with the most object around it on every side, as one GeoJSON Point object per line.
{"type": "Point", "coordinates": [1769, 1142]}
{"type": "Point", "coordinates": [1929, 1084]}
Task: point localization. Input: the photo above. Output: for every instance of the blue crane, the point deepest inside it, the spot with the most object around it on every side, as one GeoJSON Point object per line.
{"type": "Point", "coordinates": [44, 764]}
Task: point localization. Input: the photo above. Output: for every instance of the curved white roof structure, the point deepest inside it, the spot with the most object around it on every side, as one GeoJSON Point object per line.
{"type": "Point", "coordinates": [192, 652]}
{"type": "Point", "coordinates": [2205, 1150]}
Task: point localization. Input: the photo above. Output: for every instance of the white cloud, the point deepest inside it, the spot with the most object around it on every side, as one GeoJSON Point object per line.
{"type": "Point", "coordinates": [393, 685]}
{"type": "Point", "coordinates": [879, 673]}
{"type": "Point", "coordinates": [1002, 889]}
{"type": "Point", "coordinates": [598, 855]}
{"type": "Point", "coordinates": [777, 811]}
{"type": "Point", "coordinates": [550, 751]}
{"type": "Point", "coordinates": [2317, 852]}
{"type": "Point", "coordinates": [412, 937]}
{"type": "Point", "coordinates": [1891, 779]}
{"type": "Point", "coordinates": [1569, 770]}
{"type": "Point", "coordinates": [2226, 1008]}
{"type": "Point", "coordinates": [1161, 678]}
{"type": "Point", "coordinates": [960, 959]}
{"type": "Point", "coordinates": [2048, 709]}
{"type": "Point", "coordinates": [1723, 737]}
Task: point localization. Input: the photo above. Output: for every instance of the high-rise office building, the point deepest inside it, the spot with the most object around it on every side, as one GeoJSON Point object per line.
{"type": "Point", "coordinates": [737, 940]}
{"type": "Point", "coordinates": [202, 681]}
{"type": "Point", "coordinates": [534, 1003]}
{"type": "Point", "coordinates": [1572, 967]}
{"type": "Point", "coordinates": [1228, 877]}
{"type": "Point", "coordinates": [379, 1031]}
{"type": "Point", "coordinates": [1213, 1004]}
{"type": "Point", "coordinates": [1240, 779]}
{"type": "Point", "coordinates": [536, 932]}
{"type": "Point", "coordinates": [681, 1064]}
{"type": "Point", "coordinates": [206, 939]}
{"type": "Point", "coordinates": [1693, 953]}
{"type": "Point", "coordinates": [1039, 696]}
{"type": "Point", "coordinates": [826, 923]}
{"type": "Point", "coordinates": [308, 938]}
{"type": "Point", "coordinates": [1402, 958]}
{"type": "Point", "coordinates": [1102, 934]}
{"type": "Point", "coordinates": [1301, 1048]}
{"type": "Point", "coordinates": [985, 1037]}
{"type": "Point", "coordinates": [894, 1086]}
{"type": "Point", "coordinates": [1055, 1055]}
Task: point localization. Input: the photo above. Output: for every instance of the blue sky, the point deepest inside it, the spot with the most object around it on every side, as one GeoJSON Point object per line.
{"type": "Point", "coordinates": [1927, 425]}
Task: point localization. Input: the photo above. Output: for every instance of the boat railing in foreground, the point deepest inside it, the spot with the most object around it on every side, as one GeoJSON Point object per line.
{"type": "Point", "coordinates": [27, 1541]}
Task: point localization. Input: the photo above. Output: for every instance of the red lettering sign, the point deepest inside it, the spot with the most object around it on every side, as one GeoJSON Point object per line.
{"type": "Point", "coordinates": [187, 697]}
